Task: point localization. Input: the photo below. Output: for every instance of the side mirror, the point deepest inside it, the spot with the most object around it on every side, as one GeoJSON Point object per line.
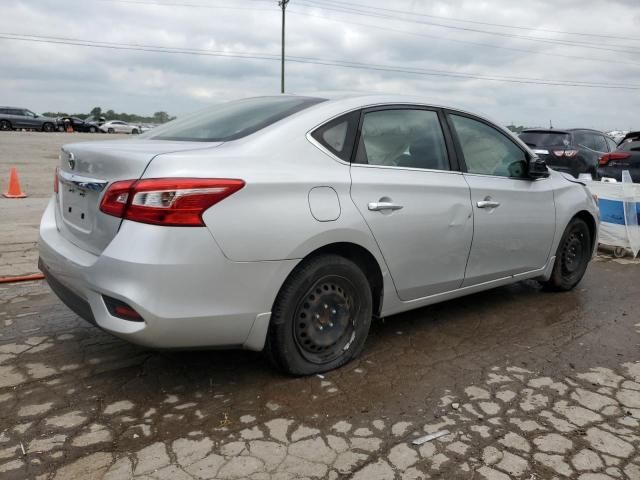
{"type": "Point", "coordinates": [537, 168]}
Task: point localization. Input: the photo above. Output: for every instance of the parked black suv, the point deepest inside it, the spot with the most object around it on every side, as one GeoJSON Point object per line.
{"type": "Point", "coordinates": [626, 157]}
{"type": "Point", "coordinates": [12, 118]}
{"type": "Point", "coordinates": [575, 151]}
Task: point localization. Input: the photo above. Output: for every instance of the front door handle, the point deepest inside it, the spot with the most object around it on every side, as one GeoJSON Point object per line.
{"type": "Point", "coordinates": [488, 204]}
{"type": "Point", "coordinates": [380, 206]}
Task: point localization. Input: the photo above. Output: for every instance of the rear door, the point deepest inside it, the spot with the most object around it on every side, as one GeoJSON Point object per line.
{"type": "Point", "coordinates": [406, 185]}
{"type": "Point", "coordinates": [514, 216]}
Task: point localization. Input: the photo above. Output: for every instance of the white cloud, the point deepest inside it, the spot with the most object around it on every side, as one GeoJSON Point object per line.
{"type": "Point", "coordinates": [75, 79]}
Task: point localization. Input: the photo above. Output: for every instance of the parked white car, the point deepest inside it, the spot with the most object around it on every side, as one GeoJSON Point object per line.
{"type": "Point", "coordinates": [286, 223]}
{"type": "Point", "coordinates": [118, 126]}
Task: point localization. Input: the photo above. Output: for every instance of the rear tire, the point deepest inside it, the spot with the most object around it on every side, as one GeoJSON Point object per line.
{"type": "Point", "coordinates": [48, 127]}
{"type": "Point", "coordinates": [110, 130]}
{"type": "Point", "coordinates": [572, 257]}
{"type": "Point", "coordinates": [321, 317]}
{"type": "Point", "coordinates": [93, 130]}
{"type": "Point", "coordinates": [135, 131]}
{"type": "Point", "coordinates": [5, 126]}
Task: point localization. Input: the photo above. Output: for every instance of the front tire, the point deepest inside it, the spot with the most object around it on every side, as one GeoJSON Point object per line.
{"type": "Point", "coordinates": [48, 127]}
{"type": "Point", "coordinates": [321, 317]}
{"type": "Point", "coordinates": [135, 131]}
{"type": "Point", "coordinates": [572, 257]}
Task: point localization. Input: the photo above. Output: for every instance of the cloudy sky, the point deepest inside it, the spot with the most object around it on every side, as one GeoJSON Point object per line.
{"type": "Point", "coordinates": [456, 41]}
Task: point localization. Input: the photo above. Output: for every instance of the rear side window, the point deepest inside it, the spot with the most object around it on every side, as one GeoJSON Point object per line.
{"type": "Point", "coordinates": [487, 151]}
{"type": "Point", "coordinates": [592, 141]}
{"type": "Point", "coordinates": [338, 135]}
{"type": "Point", "coordinates": [409, 138]}
{"type": "Point", "coordinates": [611, 144]}
{"type": "Point", "coordinates": [231, 120]}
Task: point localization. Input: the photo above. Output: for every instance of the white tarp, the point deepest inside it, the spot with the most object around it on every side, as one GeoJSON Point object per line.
{"type": "Point", "coordinates": [619, 213]}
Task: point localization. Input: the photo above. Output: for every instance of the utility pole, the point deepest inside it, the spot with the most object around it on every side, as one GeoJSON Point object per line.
{"type": "Point", "coordinates": [282, 4]}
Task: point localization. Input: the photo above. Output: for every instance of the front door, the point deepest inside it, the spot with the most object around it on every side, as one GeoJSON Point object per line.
{"type": "Point", "coordinates": [416, 206]}
{"type": "Point", "coordinates": [514, 216]}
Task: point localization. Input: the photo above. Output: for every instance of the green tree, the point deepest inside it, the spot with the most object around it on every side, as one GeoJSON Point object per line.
{"type": "Point", "coordinates": [96, 111]}
{"type": "Point", "coordinates": [161, 117]}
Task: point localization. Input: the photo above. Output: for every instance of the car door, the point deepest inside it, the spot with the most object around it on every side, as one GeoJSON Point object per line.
{"type": "Point", "coordinates": [19, 119]}
{"type": "Point", "coordinates": [406, 185]}
{"type": "Point", "coordinates": [514, 216]}
{"type": "Point", "coordinates": [31, 119]}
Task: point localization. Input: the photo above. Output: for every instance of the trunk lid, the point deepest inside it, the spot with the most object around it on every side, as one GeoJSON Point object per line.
{"type": "Point", "coordinates": [85, 172]}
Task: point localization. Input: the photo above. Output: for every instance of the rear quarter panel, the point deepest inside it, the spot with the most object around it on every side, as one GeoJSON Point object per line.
{"type": "Point", "coordinates": [270, 218]}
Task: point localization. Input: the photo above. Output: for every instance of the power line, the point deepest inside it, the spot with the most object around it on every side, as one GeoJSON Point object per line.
{"type": "Point", "coordinates": [314, 61]}
{"type": "Point", "coordinates": [359, 11]}
{"type": "Point", "coordinates": [468, 42]}
{"type": "Point", "coordinates": [453, 19]}
{"type": "Point", "coordinates": [570, 43]}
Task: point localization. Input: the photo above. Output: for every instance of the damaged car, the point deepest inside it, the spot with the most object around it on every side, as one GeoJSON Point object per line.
{"type": "Point", "coordinates": [286, 223]}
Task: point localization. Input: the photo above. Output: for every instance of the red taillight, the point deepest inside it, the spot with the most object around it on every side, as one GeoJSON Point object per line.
{"type": "Point", "coordinates": [116, 198]}
{"type": "Point", "coordinates": [607, 157]}
{"type": "Point", "coordinates": [167, 201]}
{"type": "Point", "coordinates": [56, 179]}
{"type": "Point", "coordinates": [570, 153]}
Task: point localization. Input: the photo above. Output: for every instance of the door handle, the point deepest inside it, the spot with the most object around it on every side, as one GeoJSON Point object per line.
{"type": "Point", "coordinates": [380, 206]}
{"type": "Point", "coordinates": [488, 204]}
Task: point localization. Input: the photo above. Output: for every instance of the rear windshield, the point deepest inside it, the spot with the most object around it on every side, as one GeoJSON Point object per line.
{"type": "Point", "coordinates": [545, 139]}
{"type": "Point", "coordinates": [231, 120]}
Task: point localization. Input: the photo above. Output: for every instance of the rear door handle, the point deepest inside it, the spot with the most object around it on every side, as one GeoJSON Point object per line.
{"type": "Point", "coordinates": [488, 204]}
{"type": "Point", "coordinates": [379, 206]}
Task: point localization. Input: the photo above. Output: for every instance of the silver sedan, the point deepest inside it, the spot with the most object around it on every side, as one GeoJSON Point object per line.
{"type": "Point", "coordinates": [286, 223]}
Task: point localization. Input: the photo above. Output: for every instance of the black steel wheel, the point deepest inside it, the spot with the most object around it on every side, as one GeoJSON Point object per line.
{"type": "Point", "coordinates": [572, 257]}
{"type": "Point", "coordinates": [5, 125]}
{"type": "Point", "coordinates": [321, 316]}
{"type": "Point", "coordinates": [324, 320]}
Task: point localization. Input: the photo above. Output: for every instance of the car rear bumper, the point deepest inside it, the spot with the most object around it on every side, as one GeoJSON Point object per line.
{"type": "Point", "coordinates": [188, 294]}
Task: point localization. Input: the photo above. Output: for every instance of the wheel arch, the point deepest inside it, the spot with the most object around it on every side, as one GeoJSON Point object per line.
{"type": "Point", "coordinates": [362, 257]}
{"type": "Point", "coordinates": [588, 218]}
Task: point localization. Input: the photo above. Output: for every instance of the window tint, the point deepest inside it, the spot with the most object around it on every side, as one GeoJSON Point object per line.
{"type": "Point", "coordinates": [590, 140]}
{"type": "Point", "coordinates": [231, 120]}
{"type": "Point", "coordinates": [402, 138]}
{"type": "Point", "coordinates": [599, 143]}
{"type": "Point", "coordinates": [15, 111]}
{"type": "Point", "coordinates": [487, 151]}
{"type": "Point", "coordinates": [545, 139]}
{"type": "Point", "coordinates": [611, 143]}
{"type": "Point", "coordinates": [338, 135]}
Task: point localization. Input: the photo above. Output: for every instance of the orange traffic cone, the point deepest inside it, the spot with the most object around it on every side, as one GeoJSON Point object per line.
{"type": "Point", "coordinates": [14, 186]}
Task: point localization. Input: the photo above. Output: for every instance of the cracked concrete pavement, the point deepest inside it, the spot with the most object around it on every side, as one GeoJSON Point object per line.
{"type": "Point", "coordinates": [529, 384]}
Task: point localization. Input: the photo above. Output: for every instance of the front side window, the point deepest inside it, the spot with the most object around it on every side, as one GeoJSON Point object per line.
{"type": "Point", "coordinates": [231, 120]}
{"type": "Point", "coordinates": [339, 134]}
{"type": "Point", "coordinates": [487, 151]}
{"type": "Point", "coordinates": [402, 138]}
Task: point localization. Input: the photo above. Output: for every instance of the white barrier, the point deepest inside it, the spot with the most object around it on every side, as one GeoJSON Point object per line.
{"type": "Point", "coordinates": [619, 213]}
